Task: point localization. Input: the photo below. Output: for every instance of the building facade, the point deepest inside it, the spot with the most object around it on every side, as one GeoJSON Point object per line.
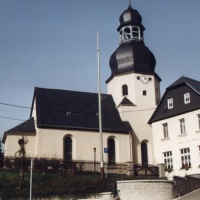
{"type": "Point", "coordinates": [176, 128]}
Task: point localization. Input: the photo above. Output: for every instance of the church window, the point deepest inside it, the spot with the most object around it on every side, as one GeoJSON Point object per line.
{"type": "Point", "coordinates": [144, 93]}
{"type": "Point", "coordinates": [130, 33]}
{"type": "Point", "coordinates": [111, 150]}
{"type": "Point", "coordinates": [187, 98]}
{"type": "Point", "coordinates": [136, 33]}
{"type": "Point", "coordinates": [168, 160]}
{"type": "Point", "coordinates": [138, 78]}
{"type": "Point", "coordinates": [68, 148]}
{"type": "Point", "coordinates": [170, 103]}
{"type": "Point", "coordinates": [165, 130]}
{"type": "Point", "coordinates": [144, 152]}
{"type": "Point", "coordinates": [127, 33]}
{"type": "Point", "coordinates": [124, 90]}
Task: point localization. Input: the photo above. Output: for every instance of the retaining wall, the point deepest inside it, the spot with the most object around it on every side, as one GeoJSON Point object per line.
{"type": "Point", "coordinates": [145, 189]}
{"type": "Point", "coordinates": [185, 185]}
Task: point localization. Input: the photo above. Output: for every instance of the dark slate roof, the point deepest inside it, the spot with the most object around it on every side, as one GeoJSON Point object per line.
{"type": "Point", "coordinates": [176, 91]}
{"type": "Point", "coordinates": [25, 127]}
{"type": "Point", "coordinates": [132, 56]}
{"type": "Point", "coordinates": [130, 17]}
{"type": "Point", "coordinates": [76, 110]}
{"type": "Point", "coordinates": [185, 80]}
{"type": "Point", "coordinates": [126, 102]}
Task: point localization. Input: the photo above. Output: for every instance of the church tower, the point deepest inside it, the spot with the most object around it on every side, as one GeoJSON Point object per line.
{"type": "Point", "coordinates": [133, 83]}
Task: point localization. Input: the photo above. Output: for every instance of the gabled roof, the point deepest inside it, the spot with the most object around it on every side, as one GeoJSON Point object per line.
{"type": "Point", "coordinates": [76, 110]}
{"type": "Point", "coordinates": [27, 127]}
{"type": "Point", "coordinates": [185, 80]}
{"type": "Point", "coordinates": [176, 91]}
{"type": "Point", "coordinates": [126, 102]}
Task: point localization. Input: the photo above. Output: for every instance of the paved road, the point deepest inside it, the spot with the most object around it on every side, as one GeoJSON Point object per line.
{"type": "Point", "coordinates": [195, 195]}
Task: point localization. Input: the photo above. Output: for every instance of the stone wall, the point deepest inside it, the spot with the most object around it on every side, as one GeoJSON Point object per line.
{"type": "Point", "coordinates": [187, 184]}
{"type": "Point", "coordinates": [145, 189]}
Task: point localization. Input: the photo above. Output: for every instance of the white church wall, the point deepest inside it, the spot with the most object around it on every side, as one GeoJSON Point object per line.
{"type": "Point", "coordinates": [139, 114]}
{"type": "Point", "coordinates": [142, 131]}
{"type": "Point", "coordinates": [135, 90]}
{"type": "Point", "coordinates": [115, 87]}
{"type": "Point", "coordinates": [177, 141]}
{"type": "Point", "coordinates": [12, 141]}
{"type": "Point", "coordinates": [51, 144]}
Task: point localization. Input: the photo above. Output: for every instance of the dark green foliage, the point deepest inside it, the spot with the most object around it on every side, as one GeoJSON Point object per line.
{"type": "Point", "coordinates": [47, 185]}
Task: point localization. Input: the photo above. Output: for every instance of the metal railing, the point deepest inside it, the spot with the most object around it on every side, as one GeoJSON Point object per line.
{"type": "Point", "coordinates": [54, 165]}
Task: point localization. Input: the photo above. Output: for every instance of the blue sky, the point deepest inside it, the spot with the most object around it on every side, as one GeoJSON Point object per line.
{"type": "Point", "coordinates": [52, 44]}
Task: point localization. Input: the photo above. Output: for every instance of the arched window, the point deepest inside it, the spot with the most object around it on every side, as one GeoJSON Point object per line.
{"type": "Point", "coordinates": [144, 152]}
{"type": "Point", "coordinates": [111, 151]}
{"type": "Point", "coordinates": [130, 33]}
{"type": "Point", "coordinates": [136, 33]}
{"type": "Point", "coordinates": [124, 90]}
{"type": "Point", "coordinates": [67, 148]}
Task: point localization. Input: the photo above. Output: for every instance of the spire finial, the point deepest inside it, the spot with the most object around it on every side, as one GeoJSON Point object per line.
{"type": "Point", "coordinates": [130, 4]}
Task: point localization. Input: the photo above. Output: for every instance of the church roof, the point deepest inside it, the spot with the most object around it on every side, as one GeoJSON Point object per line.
{"type": "Point", "coordinates": [76, 110]}
{"type": "Point", "coordinates": [176, 92]}
{"type": "Point", "coordinates": [27, 127]}
{"type": "Point", "coordinates": [130, 16]}
{"type": "Point", "coordinates": [132, 55]}
{"type": "Point", "coordinates": [126, 102]}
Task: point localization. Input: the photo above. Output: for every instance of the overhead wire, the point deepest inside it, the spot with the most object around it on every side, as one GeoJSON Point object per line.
{"type": "Point", "coordinates": [58, 110]}
{"type": "Point", "coordinates": [12, 118]}
{"type": "Point", "coordinates": [6, 104]}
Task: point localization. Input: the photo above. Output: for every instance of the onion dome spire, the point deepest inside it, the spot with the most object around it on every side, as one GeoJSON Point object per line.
{"type": "Point", "coordinates": [132, 54]}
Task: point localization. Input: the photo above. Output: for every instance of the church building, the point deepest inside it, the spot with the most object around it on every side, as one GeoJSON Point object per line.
{"type": "Point", "coordinates": [65, 124]}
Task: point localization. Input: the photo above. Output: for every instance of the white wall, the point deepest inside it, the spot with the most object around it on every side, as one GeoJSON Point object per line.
{"type": "Point", "coordinates": [11, 145]}
{"type": "Point", "coordinates": [138, 115]}
{"type": "Point", "coordinates": [50, 144]}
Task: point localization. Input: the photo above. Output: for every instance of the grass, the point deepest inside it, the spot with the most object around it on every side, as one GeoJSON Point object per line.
{"type": "Point", "coordinates": [47, 185]}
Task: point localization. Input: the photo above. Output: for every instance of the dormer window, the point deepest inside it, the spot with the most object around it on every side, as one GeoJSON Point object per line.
{"type": "Point", "coordinates": [130, 33]}
{"type": "Point", "coordinates": [124, 90]}
{"type": "Point", "coordinates": [170, 103]}
{"type": "Point", "coordinates": [187, 98]}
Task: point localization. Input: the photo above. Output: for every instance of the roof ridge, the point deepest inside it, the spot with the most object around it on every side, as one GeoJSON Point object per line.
{"type": "Point", "coordinates": [41, 88]}
{"type": "Point", "coordinates": [181, 80]}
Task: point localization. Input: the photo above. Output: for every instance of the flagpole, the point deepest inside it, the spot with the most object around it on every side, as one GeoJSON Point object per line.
{"type": "Point", "coordinates": [100, 115]}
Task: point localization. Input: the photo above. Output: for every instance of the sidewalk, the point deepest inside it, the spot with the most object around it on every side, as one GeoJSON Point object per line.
{"type": "Point", "coordinates": [195, 195]}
